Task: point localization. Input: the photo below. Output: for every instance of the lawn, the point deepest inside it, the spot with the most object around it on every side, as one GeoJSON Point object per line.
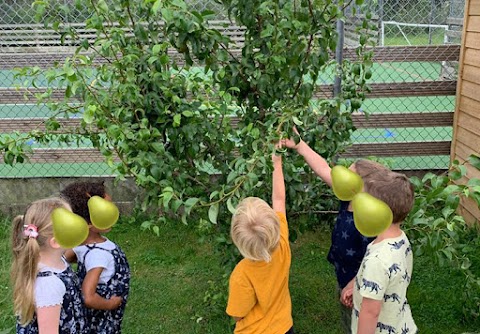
{"type": "Point", "coordinates": [172, 272]}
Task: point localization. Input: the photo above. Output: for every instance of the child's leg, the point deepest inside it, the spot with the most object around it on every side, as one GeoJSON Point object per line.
{"type": "Point", "coordinates": [345, 315]}
{"type": "Point", "coordinates": [290, 331]}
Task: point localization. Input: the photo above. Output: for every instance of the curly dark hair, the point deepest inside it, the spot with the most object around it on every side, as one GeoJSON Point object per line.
{"type": "Point", "coordinates": [77, 195]}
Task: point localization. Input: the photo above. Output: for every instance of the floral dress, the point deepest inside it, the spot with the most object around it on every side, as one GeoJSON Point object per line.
{"type": "Point", "coordinates": [72, 314]}
{"type": "Point", "coordinates": [108, 321]}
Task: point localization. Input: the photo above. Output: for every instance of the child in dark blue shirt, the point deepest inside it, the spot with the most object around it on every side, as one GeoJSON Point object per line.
{"type": "Point", "coordinates": [348, 245]}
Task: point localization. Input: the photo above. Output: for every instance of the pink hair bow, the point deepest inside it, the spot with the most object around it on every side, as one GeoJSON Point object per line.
{"type": "Point", "coordinates": [30, 231]}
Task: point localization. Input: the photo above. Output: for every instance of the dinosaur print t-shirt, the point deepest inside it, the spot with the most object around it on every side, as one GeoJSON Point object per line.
{"type": "Point", "coordinates": [384, 275]}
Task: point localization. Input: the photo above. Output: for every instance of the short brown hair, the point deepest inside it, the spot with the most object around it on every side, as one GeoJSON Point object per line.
{"type": "Point", "coordinates": [368, 168]}
{"type": "Point", "coordinates": [255, 229]}
{"type": "Point", "coordinates": [395, 189]}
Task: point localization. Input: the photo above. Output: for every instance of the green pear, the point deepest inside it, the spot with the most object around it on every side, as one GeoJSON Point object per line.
{"type": "Point", "coordinates": [103, 213]}
{"type": "Point", "coordinates": [345, 183]}
{"type": "Point", "coordinates": [370, 215]}
{"type": "Point", "coordinates": [69, 229]}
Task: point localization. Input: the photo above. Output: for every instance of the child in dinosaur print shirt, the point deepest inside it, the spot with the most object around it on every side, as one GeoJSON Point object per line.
{"type": "Point", "coordinates": [383, 278]}
{"type": "Point", "coordinates": [379, 289]}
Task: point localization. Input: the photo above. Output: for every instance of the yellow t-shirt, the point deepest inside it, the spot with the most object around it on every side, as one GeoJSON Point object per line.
{"type": "Point", "coordinates": [259, 291]}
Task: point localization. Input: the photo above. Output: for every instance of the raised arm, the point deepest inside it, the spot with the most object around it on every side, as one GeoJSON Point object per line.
{"type": "Point", "coordinates": [316, 162]}
{"type": "Point", "coordinates": [278, 185]}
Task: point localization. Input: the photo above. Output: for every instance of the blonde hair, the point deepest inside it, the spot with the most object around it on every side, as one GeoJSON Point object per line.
{"type": "Point", "coordinates": [395, 189]}
{"type": "Point", "coordinates": [255, 229]}
{"type": "Point", "coordinates": [26, 253]}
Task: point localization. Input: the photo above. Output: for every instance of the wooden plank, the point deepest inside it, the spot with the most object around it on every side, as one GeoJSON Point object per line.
{"type": "Point", "coordinates": [469, 122]}
{"type": "Point", "coordinates": [473, 23]}
{"type": "Point", "coordinates": [403, 120]}
{"type": "Point", "coordinates": [472, 57]}
{"type": "Point", "coordinates": [397, 120]}
{"type": "Point", "coordinates": [469, 218]}
{"type": "Point", "coordinates": [468, 138]}
{"type": "Point", "coordinates": [470, 107]}
{"type": "Point", "coordinates": [472, 40]}
{"type": "Point", "coordinates": [380, 54]}
{"type": "Point", "coordinates": [22, 96]}
{"type": "Point", "coordinates": [462, 152]}
{"type": "Point", "coordinates": [474, 8]}
{"type": "Point", "coordinates": [70, 155]}
{"type": "Point", "coordinates": [399, 89]}
{"type": "Point", "coordinates": [425, 88]}
{"type": "Point", "coordinates": [398, 149]}
{"type": "Point", "coordinates": [459, 93]}
{"type": "Point", "coordinates": [24, 125]}
{"type": "Point", "coordinates": [470, 209]}
{"type": "Point", "coordinates": [411, 54]}
{"type": "Point", "coordinates": [471, 73]}
{"type": "Point", "coordinates": [419, 172]}
{"type": "Point", "coordinates": [470, 90]}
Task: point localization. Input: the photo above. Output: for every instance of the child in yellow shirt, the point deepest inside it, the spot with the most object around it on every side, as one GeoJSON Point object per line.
{"type": "Point", "coordinates": [259, 296]}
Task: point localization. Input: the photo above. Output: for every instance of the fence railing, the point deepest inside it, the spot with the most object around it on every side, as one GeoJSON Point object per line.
{"type": "Point", "coordinates": [36, 46]}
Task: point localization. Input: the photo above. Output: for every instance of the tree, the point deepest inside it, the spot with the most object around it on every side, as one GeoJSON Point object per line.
{"type": "Point", "coordinates": [158, 89]}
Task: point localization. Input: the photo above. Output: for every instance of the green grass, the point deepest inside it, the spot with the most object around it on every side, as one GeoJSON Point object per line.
{"type": "Point", "coordinates": [415, 35]}
{"type": "Point", "coordinates": [171, 272]}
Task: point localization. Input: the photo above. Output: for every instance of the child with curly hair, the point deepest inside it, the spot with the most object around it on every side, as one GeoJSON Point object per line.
{"type": "Point", "coordinates": [102, 265]}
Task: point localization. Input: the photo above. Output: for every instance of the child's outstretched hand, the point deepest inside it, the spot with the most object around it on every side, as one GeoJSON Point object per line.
{"type": "Point", "coordinates": [292, 142]}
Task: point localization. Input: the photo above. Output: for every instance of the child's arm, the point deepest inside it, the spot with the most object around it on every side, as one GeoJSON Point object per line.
{"type": "Point", "coordinates": [368, 317]}
{"type": "Point", "coordinates": [278, 185]}
{"type": "Point", "coordinates": [48, 319]}
{"type": "Point", "coordinates": [316, 162]}
{"type": "Point", "coordinates": [70, 256]}
{"type": "Point", "coordinates": [92, 298]}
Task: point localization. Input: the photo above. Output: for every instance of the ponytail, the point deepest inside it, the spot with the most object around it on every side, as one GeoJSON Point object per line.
{"type": "Point", "coordinates": [26, 254]}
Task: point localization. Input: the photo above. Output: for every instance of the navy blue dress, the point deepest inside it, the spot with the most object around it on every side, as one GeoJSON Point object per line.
{"type": "Point", "coordinates": [108, 321]}
{"type": "Point", "coordinates": [348, 246]}
{"type": "Point", "coordinates": [72, 314]}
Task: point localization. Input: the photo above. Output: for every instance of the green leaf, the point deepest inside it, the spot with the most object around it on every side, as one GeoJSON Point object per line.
{"type": "Point", "coordinates": [230, 206]}
{"type": "Point", "coordinates": [231, 176]}
{"type": "Point", "coordinates": [176, 204]}
{"type": "Point", "coordinates": [189, 204]}
{"type": "Point", "coordinates": [473, 182]}
{"type": "Point", "coordinates": [297, 121]}
{"type": "Point", "coordinates": [213, 213]}
{"type": "Point", "coordinates": [167, 196]}
{"type": "Point", "coordinates": [474, 161]}
{"type": "Point", "coordinates": [89, 114]}
{"type": "Point", "coordinates": [156, 49]}
{"type": "Point", "coordinates": [180, 4]}
{"type": "Point", "coordinates": [213, 194]}
{"type": "Point", "coordinates": [177, 119]}
{"type": "Point", "coordinates": [156, 6]}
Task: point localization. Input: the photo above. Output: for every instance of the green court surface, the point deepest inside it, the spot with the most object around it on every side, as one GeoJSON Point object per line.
{"type": "Point", "coordinates": [383, 72]}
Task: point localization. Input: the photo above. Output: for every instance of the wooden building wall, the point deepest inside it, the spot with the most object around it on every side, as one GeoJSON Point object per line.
{"type": "Point", "coordinates": [466, 126]}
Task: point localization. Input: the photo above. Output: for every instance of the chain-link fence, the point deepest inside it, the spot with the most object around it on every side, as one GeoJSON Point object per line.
{"type": "Point", "coordinates": [407, 89]}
